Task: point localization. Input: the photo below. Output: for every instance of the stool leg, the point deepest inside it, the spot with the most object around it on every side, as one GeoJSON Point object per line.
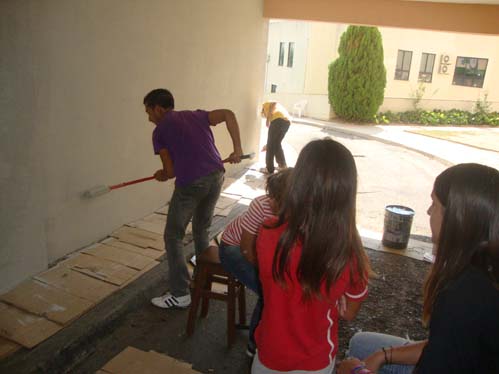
{"type": "Point", "coordinates": [206, 299]}
{"type": "Point", "coordinates": [231, 311]}
{"type": "Point", "coordinates": [199, 282]}
{"type": "Point", "coordinates": [242, 304]}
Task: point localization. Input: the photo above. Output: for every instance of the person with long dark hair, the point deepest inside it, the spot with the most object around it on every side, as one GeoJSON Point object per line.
{"type": "Point", "coordinates": [309, 259]}
{"type": "Point", "coordinates": [461, 292]}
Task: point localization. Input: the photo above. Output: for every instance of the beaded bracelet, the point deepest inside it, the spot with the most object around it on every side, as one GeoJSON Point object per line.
{"type": "Point", "coordinates": [361, 369]}
{"type": "Point", "coordinates": [386, 356]}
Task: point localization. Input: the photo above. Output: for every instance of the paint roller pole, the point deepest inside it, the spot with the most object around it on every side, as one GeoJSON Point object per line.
{"type": "Point", "coordinates": [101, 190]}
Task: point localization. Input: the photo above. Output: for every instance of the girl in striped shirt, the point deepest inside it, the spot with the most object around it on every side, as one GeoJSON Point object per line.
{"type": "Point", "coordinates": [237, 248]}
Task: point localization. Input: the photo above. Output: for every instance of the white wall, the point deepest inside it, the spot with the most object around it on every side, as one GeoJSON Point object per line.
{"type": "Point", "coordinates": [287, 79]}
{"type": "Point", "coordinates": [73, 77]}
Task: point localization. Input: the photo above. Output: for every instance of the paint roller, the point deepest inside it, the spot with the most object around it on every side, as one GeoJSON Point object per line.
{"type": "Point", "coordinates": [101, 190]}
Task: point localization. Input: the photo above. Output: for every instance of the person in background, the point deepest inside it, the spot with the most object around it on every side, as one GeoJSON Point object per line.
{"type": "Point", "coordinates": [185, 143]}
{"type": "Point", "coordinates": [461, 292]}
{"type": "Point", "coordinates": [237, 247]}
{"type": "Point", "coordinates": [309, 259]}
{"type": "Point", "coordinates": [277, 120]}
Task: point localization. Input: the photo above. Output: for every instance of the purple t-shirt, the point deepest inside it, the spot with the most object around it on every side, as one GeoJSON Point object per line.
{"type": "Point", "coordinates": [188, 138]}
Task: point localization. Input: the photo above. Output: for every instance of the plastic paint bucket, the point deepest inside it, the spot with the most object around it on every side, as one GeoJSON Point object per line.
{"type": "Point", "coordinates": [397, 226]}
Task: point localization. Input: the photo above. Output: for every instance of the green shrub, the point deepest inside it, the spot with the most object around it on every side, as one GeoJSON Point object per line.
{"type": "Point", "coordinates": [357, 78]}
{"type": "Point", "coordinates": [453, 117]}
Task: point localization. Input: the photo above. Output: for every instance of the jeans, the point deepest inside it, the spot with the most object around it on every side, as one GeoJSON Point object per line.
{"type": "Point", "coordinates": [196, 201]}
{"type": "Point", "coordinates": [277, 129]}
{"type": "Point", "coordinates": [234, 262]}
{"type": "Point", "coordinates": [363, 344]}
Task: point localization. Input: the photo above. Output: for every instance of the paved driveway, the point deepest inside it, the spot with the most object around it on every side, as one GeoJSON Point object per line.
{"type": "Point", "coordinates": [388, 174]}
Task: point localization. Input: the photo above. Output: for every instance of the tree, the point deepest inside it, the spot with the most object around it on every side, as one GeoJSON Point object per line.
{"type": "Point", "coordinates": [357, 78]}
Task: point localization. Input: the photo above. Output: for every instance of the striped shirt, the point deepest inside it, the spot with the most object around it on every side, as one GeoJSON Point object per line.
{"type": "Point", "coordinates": [259, 210]}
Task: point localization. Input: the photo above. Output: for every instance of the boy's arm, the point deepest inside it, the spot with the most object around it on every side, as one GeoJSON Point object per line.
{"type": "Point", "coordinates": [224, 115]}
{"type": "Point", "coordinates": [167, 172]}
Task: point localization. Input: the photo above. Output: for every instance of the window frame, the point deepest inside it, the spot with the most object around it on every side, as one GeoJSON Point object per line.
{"type": "Point", "coordinates": [291, 54]}
{"type": "Point", "coordinates": [282, 51]}
{"type": "Point", "coordinates": [425, 71]}
{"type": "Point", "coordinates": [400, 71]}
{"type": "Point", "coordinates": [473, 79]}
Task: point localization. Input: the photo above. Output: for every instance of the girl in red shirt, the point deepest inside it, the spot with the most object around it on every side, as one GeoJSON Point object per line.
{"type": "Point", "coordinates": [309, 259]}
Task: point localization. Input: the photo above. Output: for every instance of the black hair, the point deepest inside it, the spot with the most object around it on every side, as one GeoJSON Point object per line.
{"type": "Point", "coordinates": [277, 184]}
{"type": "Point", "coordinates": [161, 97]}
{"type": "Point", "coordinates": [469, 235]}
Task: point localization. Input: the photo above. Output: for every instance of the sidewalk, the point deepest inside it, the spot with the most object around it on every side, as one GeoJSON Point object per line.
{"type": "Point", "coordinates": [447, 151]}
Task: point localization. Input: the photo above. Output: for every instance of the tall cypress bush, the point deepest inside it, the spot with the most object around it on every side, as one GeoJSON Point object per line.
{"type": "Point", "coordinates": [357, 78]}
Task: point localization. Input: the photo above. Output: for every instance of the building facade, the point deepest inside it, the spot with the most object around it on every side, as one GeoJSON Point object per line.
{"type": "Point", "coordinates": [441, 70]}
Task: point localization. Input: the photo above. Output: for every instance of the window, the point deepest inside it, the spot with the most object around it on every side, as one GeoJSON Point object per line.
{"type": "Point", "coordinates": [426, 67]}
{"type": "Point", "coordinates": [291, 52]}
{"type": "Point", "coordinates": [470, 71]}
{"type": "Point", "coordinates": [403, 67]}
{"type": "Point", "coordinates": [273, 88]}
{"type": "Point", "coordinates": [281, 53]}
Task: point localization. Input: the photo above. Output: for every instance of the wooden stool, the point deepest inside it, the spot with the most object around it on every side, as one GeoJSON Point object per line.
{"type": "Point", "coordinates": [209, 270]}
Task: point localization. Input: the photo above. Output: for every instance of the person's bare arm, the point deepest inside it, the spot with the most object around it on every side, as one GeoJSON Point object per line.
{"type": "Point", "coordinates": [224, 115]}
{"type": "Point", "coordinates": [167, 172]}
{"type": "Point", "coordinates": [405, 355]}
{"type": "Point", "coordinates": [348, 309]}
{"type": "Point", "coordinates": [248, 250]}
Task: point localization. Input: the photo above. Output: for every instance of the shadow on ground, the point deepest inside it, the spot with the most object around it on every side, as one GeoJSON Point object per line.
{"type": "Point", "coordinates": [394, 307]}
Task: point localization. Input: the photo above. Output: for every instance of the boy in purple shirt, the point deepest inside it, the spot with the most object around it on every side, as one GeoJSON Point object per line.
{"type": "Point", "coordinates": [185, 143]}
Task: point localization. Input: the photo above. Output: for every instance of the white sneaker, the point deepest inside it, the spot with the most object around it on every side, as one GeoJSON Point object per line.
{"type": "Point", "coordinates": [169, 301]}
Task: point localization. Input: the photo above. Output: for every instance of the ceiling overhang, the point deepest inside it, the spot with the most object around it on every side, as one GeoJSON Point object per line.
{"type": "Point", "coordinates": [427, 15]}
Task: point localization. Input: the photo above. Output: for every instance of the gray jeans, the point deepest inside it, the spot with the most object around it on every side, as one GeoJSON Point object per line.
{"type": "Point", "coordinates": [196, 201]}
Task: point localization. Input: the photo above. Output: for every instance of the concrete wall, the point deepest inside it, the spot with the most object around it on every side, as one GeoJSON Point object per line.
{"type": "Point", "coordinates": [73, 77]}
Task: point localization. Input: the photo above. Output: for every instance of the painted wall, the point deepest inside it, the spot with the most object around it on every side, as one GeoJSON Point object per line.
{"type": "Point", "coordinates": [287, 79]}
{"type": "Point", "coordinates": [73, 77]}
{"type": "Point", "coordinates": [323, 42]}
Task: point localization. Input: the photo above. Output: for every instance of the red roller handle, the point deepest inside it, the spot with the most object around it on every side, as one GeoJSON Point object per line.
{"type": "Point", "coordinates": [124, 184]}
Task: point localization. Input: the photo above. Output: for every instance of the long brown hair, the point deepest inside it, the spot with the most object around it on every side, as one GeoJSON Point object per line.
{"type": "Point", "coordinates": [469, 234]}
{"type": "Point", "coordinates": [319, 208]}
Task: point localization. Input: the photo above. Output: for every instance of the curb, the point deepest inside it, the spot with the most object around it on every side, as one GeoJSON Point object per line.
{"type": "Point", "coordinates": [376, 138]}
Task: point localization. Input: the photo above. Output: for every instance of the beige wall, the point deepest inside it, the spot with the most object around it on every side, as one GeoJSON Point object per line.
{"type": "Point", "coordinates": [440, 92]}
{"type": "Point", "coordinates": [73, 77]}
{"type": "Point", "coordinates": [323, 42]}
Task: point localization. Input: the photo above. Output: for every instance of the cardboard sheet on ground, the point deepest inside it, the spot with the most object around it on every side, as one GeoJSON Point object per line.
{"type": "Point", "coordinates": [139, 237]}
{"type": "Point", "coordinates": [25, 328]}
{"type": "Point", "coordinates": [108, 271]}
{"type": "Point", "coordinates": [153, 222]}
{"type": "Point", "coordinates": [162, 210]}
{"type": "Point", "coordinates": [226, 200]}
{"type": "Point", "coordinates": [8, 347]}
{"type": "Point", "coordinates": [148, 252]}
{"type": "Point", "coordinates": [47, 301]}
{"type": "Point", "coordinates": [107, 252]}
{"type": "Point", "coordinates": [76, 283]}
{"type": "Point", "coordinates": [132, 361]}
{"type": "Point", "coordinates": [140, 273]}
{"type": "Point", "coordinates": [415, 249]}
{"type": "Point", "coordinates": [249, 188]}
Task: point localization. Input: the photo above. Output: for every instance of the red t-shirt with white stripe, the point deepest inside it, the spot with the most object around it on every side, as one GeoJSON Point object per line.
{"type": "Point", "coordinates": [292, 334]}
{"type": "Point", "coordinates": [258, 211]}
